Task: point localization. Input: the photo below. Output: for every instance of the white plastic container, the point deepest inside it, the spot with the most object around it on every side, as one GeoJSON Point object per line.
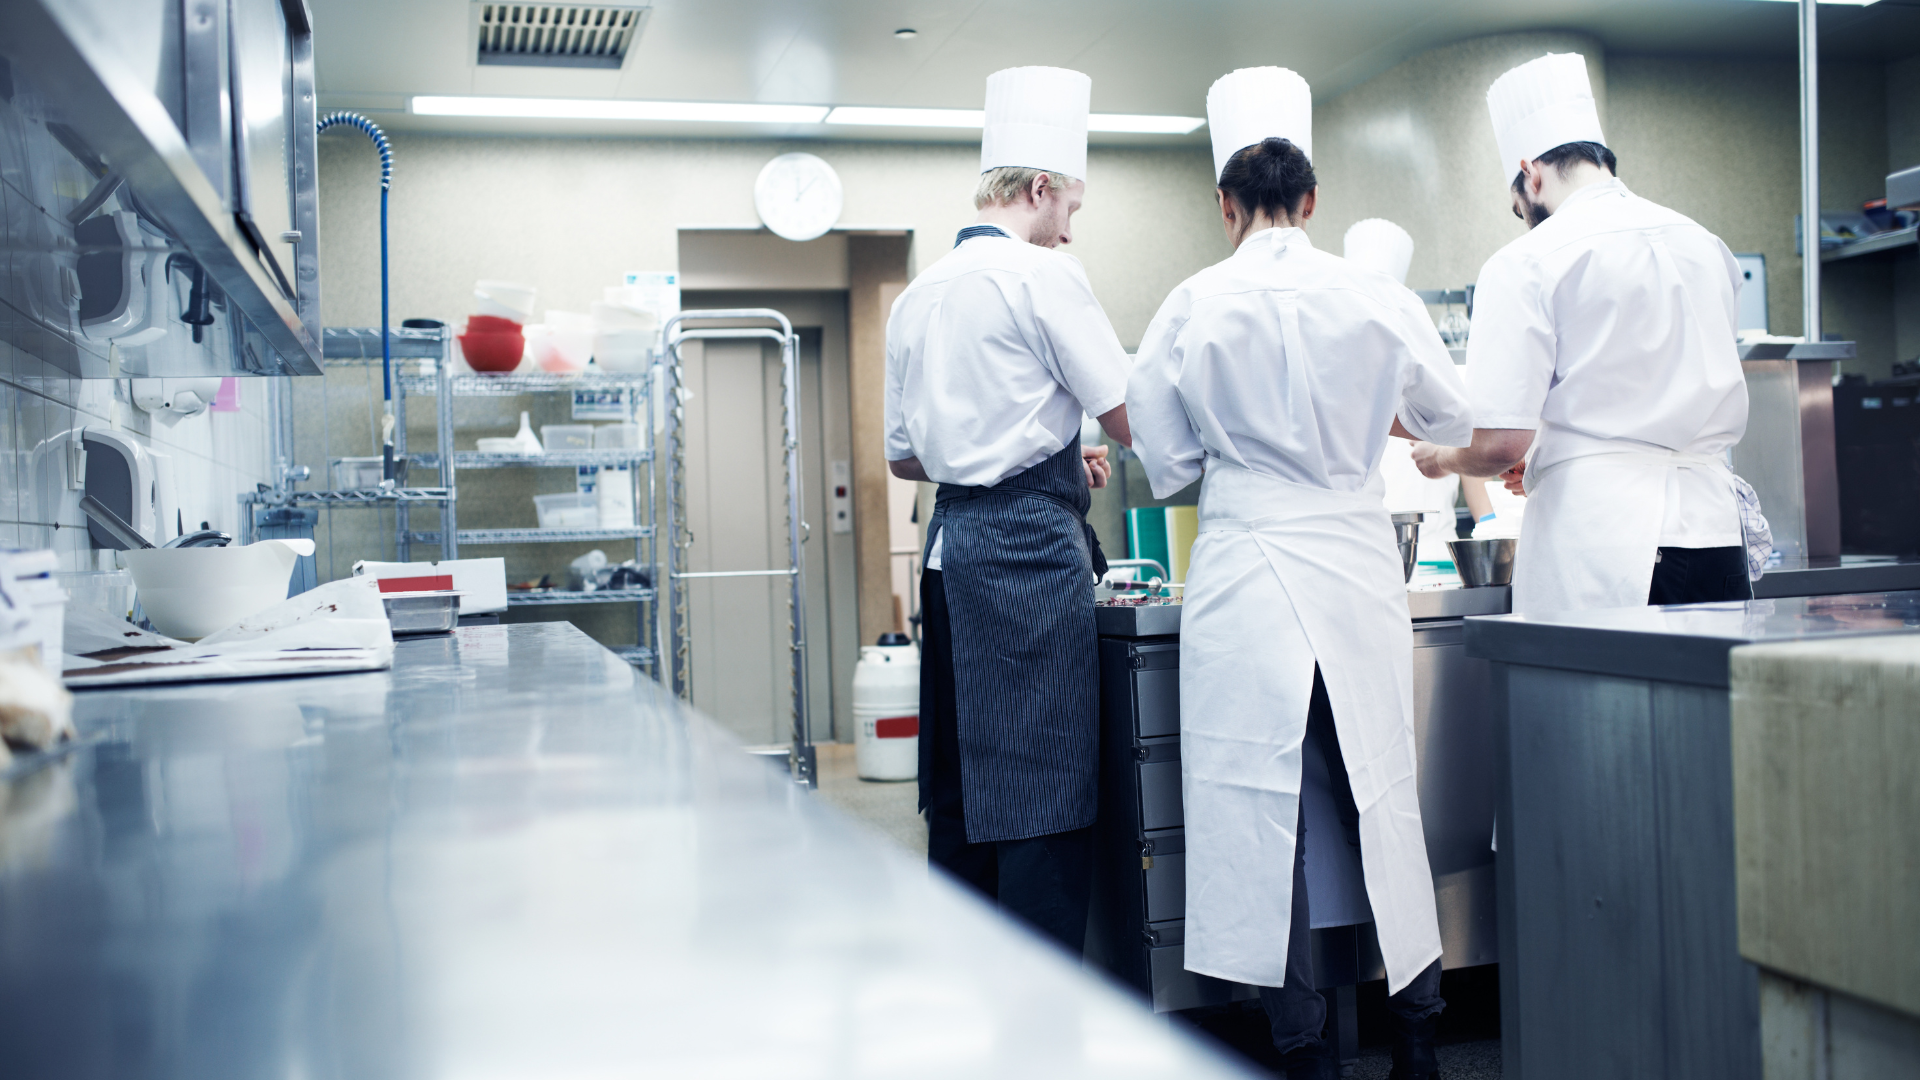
{"type": "Point", "coordinates": [616, 437]}
{"type": "Point", "coordinates": [886, 711]}
{"type": "Point", "coordinates": [505, 299]}
{"type": "Point", "coordinates": [613, 497]}
{"type": "Point", "coordinates": [566, 437]}
{"type": "Point", "coordinates": [189, 593]}
{"type": "Point", "coordinates": [567, 510]}
{"type": "Point", "coordinates": [358, 473]}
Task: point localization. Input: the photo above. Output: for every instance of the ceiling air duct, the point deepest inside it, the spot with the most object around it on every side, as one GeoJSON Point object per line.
{"type": "Point", "coordinates": [556, 35]}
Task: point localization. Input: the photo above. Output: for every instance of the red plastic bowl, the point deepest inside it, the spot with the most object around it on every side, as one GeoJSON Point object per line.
{"type": "Point", "coordinates": [491, 324]}
{"type": "Point", "coordinates": [493, 351]}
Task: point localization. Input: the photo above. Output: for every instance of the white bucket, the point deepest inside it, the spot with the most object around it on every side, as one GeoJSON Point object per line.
{"type": "Point", "coordinates": [886, 712]}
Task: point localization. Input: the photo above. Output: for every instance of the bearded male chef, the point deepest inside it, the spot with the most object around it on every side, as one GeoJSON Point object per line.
{"type": "Point", "coordinates": [1280, 373]}
{"type": "Point", "coordinates": [1609, 327]}
{"type": "Point", "coordinates": [994, 354]}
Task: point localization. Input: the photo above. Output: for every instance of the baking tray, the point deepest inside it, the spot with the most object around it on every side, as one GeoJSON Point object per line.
{"type": "Point", "coordinates": [422, 612]}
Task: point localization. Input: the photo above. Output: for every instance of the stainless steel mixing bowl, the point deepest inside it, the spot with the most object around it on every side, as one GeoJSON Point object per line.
{"type": "Point", "coordinates": [1484, 562]}
{"type": "Point", "coordinates": [1406, 530]}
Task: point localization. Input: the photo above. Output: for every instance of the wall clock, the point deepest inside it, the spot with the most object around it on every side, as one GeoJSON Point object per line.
{"type": "Point", "coordinates": [798, 196]}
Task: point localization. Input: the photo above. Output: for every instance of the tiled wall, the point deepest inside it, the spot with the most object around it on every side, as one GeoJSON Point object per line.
{"type": "Point", "coordinates": [216, 456]}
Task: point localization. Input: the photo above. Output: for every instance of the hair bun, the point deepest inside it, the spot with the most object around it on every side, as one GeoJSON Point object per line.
{"type": "Point", "coordinates": [1272, 176]}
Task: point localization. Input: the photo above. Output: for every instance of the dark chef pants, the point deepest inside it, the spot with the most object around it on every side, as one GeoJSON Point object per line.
{"type": "Point", "coordinates": [1296, 1010]}
{"type": "Point", "coordinates": [1699, 575]}
{"type": "Point", "coordinates": [1044, 880]}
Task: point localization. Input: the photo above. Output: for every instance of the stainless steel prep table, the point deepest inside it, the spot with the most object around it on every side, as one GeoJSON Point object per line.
{"type": "Point", "coordinates": [1139, 907]}
{"type": "Point", "coordinates": [1618, 939]}
{"type": "Point", "coordinates": [507, 857]}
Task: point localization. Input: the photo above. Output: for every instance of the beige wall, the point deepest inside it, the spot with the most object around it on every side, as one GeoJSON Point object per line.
{"type": "Point", "coordinates": [1413, 145]}
{"type": "Point", "coordinates": [571, 215]}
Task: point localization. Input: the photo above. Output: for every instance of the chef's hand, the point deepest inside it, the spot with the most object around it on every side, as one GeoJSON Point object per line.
{"type": "Point", "coordinates": [1515, 477]}
{"type": "Point", "coordinates": [1094, 460]}
{"type": "Point", "coordinates": [1431, 460]}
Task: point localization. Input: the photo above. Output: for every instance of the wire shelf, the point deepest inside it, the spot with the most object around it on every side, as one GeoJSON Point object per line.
{"type": "Point", "coordinates": [529, 383]}
{"type": "Point", "coordinates": [474, 459]}
{"type": "Point", "coordinates": [551, 597]}
{"type": "Point", "coordinates": [534, 536]}
{"type": "Point", "coordinates": [362, 497]}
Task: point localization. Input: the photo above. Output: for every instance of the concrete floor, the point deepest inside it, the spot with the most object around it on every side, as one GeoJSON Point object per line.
{"type": "Point", "coordinates": [886, 805]}
{"type": "Point", "coordinates": [1469, 1033]}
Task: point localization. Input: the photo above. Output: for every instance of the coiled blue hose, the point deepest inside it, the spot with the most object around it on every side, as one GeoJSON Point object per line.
{"type": "Point", "coordinates": [372, 130]}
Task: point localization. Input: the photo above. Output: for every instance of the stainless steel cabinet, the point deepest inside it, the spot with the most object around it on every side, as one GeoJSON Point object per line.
{"type": "Point", "coordinates": [1137, 928]}
{"type": "Point", "coordinates": [157, 177]}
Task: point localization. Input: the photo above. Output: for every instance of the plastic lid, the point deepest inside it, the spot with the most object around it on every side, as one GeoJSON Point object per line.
{"type": "Point", "coordinates": [894, 639]}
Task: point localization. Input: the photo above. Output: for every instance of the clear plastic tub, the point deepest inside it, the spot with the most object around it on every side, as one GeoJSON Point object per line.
{"type": "Point", "coordinates": [557, 437]}
{"type": "Point", "coordinates": [357, 473]}
{"type": "Point", "coordinates": [567, 510]}
{"type": "Point", "coordinates": [616, 437]}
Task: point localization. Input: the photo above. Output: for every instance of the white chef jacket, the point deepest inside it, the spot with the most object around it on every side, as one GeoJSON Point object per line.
{"type": "Point", "coordinates": [1574, 333]}
{"type": "Point", "coordinates": [1224, 371]}
{"type": "Point", "coordinates": [994, 354]}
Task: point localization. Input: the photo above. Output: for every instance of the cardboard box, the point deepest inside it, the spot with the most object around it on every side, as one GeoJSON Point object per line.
{"type": "Point", "coordinates": [483, 581]}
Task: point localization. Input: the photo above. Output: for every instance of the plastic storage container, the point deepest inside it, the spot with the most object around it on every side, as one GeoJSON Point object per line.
{"type": "Point", "coordinates": [559, 437]}
{"type": "Point", "coordinates": [886, 710]}
{"type": "Point", "coordinates": [568, 510]}
{"type": "Point", "coordinates": [616, 437]}
{"type": "Point", "coordinates": [613, 495]}
{"type": "Point", "coordinates": [357, 473]}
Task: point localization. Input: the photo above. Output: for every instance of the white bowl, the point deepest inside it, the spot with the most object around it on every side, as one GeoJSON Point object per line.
{"type": "Point", "coordinates": [189, 593]}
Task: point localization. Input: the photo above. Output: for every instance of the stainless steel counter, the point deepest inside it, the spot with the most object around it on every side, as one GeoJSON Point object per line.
{"type": "Point", "coordinates": [1149, 620]}
{"type": "Point", "coordinates": [1686, 644]}
{"type": "Point", "coordinates": [1619, 950]}
{"type": "Point", "coordinates": [506, 857]}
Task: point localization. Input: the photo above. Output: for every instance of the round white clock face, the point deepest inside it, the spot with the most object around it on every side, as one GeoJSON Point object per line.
{"type": "Point", "coordinates": [798, 196]}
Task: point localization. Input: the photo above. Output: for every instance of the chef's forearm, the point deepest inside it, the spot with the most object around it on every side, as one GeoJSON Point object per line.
{"type": "Point", "coordinates": [1494, 451]}
{"type": "Point", "coordinates": [909, 469]}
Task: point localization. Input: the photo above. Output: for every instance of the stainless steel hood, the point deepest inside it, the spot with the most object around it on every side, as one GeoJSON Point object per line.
{"type": "Point", "coordinates": [157, 171]}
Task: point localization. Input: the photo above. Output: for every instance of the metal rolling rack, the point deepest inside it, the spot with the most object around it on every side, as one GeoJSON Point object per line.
{"type": "Point", "coordinates": [445, 386]}
{"type": "Point", "coordinates": [800, 755]}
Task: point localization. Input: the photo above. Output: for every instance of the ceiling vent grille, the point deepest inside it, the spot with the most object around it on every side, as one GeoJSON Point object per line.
{"type": "Point", "coordinates": [556, 35]}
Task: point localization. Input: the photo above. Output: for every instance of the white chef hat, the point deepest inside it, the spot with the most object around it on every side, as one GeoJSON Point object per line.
{"type": "Point", "coordinates": [1542, 104]}
{"type": "Point", "coordinates": [1379, 244]}
{"type": "Point", "coordinates": [1037, 119]}
{"type": "Point", "coordinates": [1251, 104]}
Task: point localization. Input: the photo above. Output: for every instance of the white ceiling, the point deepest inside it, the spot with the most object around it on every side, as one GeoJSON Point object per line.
{"type": "Point", "coordinates": [1145, 56]}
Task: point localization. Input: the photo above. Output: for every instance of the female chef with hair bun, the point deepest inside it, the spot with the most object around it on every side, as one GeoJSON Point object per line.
{"type": "Point", "coordinates": [1279, 375]}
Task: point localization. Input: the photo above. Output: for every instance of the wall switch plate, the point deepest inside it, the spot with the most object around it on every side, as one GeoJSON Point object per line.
{"type": "Point", "coordinates": [840, 498]}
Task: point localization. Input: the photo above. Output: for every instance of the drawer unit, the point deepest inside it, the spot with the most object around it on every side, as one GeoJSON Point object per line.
{"type": "Point", "coordinates": [1136, 926]}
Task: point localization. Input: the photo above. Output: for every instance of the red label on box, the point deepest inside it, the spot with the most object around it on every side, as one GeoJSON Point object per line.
{"type": "Point", "coordinates": [435, 583]}
{"type": "Point", "coordinates": [896, 727]}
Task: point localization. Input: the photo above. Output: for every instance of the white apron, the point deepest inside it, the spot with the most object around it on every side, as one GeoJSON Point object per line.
{"type": "Point", "coordinates": [1282, 575]}
{"type": "Point", "coordinates": [1593, 528]}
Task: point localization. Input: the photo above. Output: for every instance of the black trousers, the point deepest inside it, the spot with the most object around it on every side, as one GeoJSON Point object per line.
{"type": "Point", "coordinates": [1295, 1010]}
{"type": "Point", "coordinates": [1045, 881]}
{"type": "Point", "coordinates": [1700, 575]}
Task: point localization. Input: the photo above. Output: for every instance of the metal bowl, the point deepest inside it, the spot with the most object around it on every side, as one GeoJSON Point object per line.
{"type": "Point", "coordinates": [1406, 532]}
{"type": "Point", "coordinates": [1484, 562]}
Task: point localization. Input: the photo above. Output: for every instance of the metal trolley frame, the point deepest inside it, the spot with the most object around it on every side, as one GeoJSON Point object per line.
{"type": "Point", "coordinates": [800, 755]}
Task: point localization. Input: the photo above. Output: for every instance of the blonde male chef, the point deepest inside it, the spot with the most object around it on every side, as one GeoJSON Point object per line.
{"type": "Point", "coordinates": [1279, 374]}
{"type": "Point", "coordinates": [994, 354]}
{"type": "Point", "coordinates": [1609, 327]}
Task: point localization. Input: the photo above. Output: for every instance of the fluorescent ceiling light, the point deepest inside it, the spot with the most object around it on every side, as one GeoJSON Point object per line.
{"type": "Point", "coordinates": [876, 117]}
{"type": "Point", "coordinates": [1854, 3]}
{"type": "Point", "coordinates": [608, 109]}
{"type": "Point", "coordinates": [973, 118]}
{"type": "Point", "coordinates": [1144, 125]}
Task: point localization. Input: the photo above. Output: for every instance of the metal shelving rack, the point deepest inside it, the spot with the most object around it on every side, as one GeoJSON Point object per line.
{"type": "Point", "coordinates": [422, 367]}
{"type": "Point", "coordinates": [445, 387]}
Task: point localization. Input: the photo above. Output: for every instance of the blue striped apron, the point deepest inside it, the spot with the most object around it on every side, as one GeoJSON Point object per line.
{"type": "Point", "coordinates": [1018, 573]}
